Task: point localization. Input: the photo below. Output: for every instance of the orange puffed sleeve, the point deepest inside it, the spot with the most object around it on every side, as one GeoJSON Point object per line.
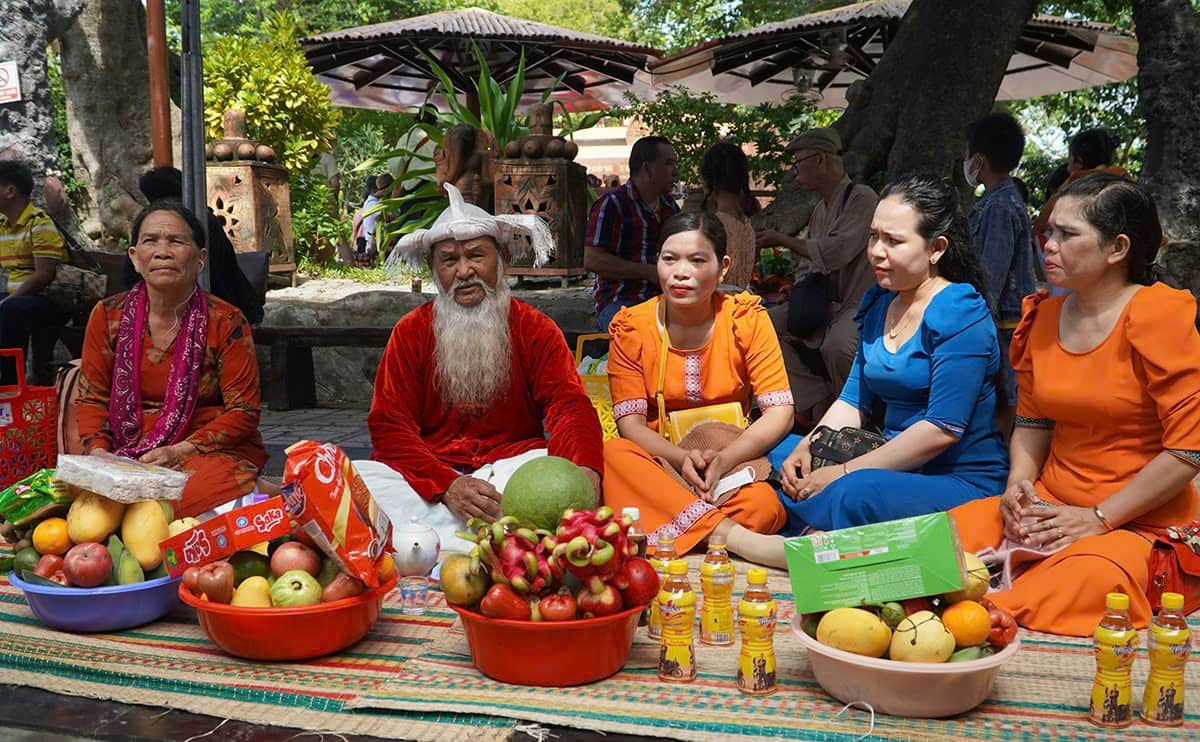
{"type": "Point", "coordinates": [1161, 328]}
{"type": "Point", "coordinates": [627, 359]}
{"type": "Point", "coordinates": [1025, 340]}
{"type": "Point", "coordinates": [756, 338]}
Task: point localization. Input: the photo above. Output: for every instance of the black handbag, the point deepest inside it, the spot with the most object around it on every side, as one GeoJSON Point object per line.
{"type": "Point", "coordinates": [829, 447]}
{"type": "Point", "coordinates": [808, 304]}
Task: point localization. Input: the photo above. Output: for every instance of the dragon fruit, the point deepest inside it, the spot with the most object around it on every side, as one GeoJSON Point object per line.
{"type": "Point", "coordinates": [593, 543]}
{"type": "Point", "coordinates": [514, 556]}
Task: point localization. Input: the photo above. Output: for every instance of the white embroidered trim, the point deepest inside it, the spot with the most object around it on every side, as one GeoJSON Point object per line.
{"type": "Point", "coordinates": [630, 407]}
{"type": "Point", "coordinates": [774, 399]}
{"type": "Point", "coordinates": [682, 521]}
{"type": "Point", "coordinates": [691, 377]}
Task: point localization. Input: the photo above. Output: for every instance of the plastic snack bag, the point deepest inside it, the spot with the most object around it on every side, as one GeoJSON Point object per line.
{"type": "Point", "coordinates": [331, 505]}
{"type": "Point", "coordinates": [33, 498]}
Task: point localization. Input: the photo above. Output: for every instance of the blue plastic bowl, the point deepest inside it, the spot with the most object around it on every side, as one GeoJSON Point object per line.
{"type": "Point", "coordinates": [92, 609]}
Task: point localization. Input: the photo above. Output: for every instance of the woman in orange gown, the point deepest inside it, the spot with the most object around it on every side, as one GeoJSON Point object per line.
{"type": "Point", "coordinates": [1108, 417]}
{"type": "Point", "coordinates": [722, 349]}
{"type": "Point", "coordinates": [169, 374]}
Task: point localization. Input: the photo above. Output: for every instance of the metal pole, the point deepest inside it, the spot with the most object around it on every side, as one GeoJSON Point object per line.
{"type": "Point", "coordinates": [195, 195]}
{"type": "Point", "coordinates": [160, 107]}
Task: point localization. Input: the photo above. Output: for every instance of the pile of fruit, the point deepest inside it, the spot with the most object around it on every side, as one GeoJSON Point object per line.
{"type": "Point", "coordinates": [955, 627]}
{"type": "Point", "coordinates": [522, 573]}
{"type": "Point", "coordinates": [285, 573]}
{"type": "Point", "coordinates": [99, 542]}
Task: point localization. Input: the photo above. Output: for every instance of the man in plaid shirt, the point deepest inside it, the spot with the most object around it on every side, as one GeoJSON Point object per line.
{"type": "Point", "coordinates": [621, 244]}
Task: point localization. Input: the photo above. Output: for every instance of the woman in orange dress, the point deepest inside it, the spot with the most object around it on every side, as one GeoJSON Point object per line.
{"type": "Point", "coordinates": [1108, 417]}
{"type": "Point", "coordinates": [169, 374]}
{"type": "Point", "coordinates": [722, 349]}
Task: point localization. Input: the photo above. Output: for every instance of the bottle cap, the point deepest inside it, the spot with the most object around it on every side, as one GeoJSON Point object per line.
{"type": "Point", "coordinates": [1117, 601]}
{"type": "Point", "coordinates": [666, 538]}
{"type": "Point", "coordinates": [1172, 601]}
{"type": "Point", "coordinates": [677, 567]}
{"type": "Point", "coordinates": [632, 513]}
{"type": "Point", "coordinates": [715, 544]}
{"type": "Point", "coordinates": [756, 575]}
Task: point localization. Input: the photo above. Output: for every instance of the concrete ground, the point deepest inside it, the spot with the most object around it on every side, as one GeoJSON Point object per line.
{"type": "Point", "coordinates": [345, 427]}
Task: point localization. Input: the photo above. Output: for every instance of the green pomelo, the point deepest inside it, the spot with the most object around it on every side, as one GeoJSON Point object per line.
{"type": "Point", "coordinates": [540, 490]}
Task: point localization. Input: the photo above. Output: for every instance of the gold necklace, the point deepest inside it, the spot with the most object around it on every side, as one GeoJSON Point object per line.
{"type": "Point", "coordinates": [898, 324]}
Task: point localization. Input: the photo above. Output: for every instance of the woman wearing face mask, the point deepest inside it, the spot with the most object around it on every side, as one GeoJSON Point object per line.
{"type": "Point", "coordinates": [1108, 419]}
{"type": "Point", "coordinates": [169, 373]}
{"type": "Point", "coordinates": [721, 348]}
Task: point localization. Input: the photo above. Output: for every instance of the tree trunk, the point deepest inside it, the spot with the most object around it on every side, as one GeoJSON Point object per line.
{"type": "Point", "coordinates": [106, 74]}
{"type": "Point", "coordinates": [27, 126]}
{"type": "Point", "coordinates": [941, 71]}
{"type": "Point", "coordinates": [1168, 33]}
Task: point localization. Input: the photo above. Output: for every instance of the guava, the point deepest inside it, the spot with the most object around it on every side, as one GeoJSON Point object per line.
{"type": "Point", "coordinates": [295, 588]}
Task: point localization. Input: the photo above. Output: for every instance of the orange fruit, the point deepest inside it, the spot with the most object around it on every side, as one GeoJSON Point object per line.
{"type": "Point", "coordinates": [387, 568]}
{"type": "Point", "coordinates": [969, 622]}
{"type": "Point", "coordinates": [50, 536]}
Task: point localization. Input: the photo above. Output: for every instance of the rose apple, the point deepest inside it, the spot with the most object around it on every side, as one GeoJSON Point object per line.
{"type": "Point", "coordinates": [341, 586]}
{"type": "Point", "coordinates": [295, 555]}
{"type": "Point", "coordinates": [88, 564]}
{"type": "Point", "coordinates": [559, 607]}
{"type": "Point", "coordinates": [191, 580]}
{"type": "Point", "coordinates": [501, 602]}
{"type": "Point", "coordinates": [216, 581]}
{"type": "Point", "coordinates": [598, 598]}
{"type": "Point", "coordinates": [295, 588]}
{"type": "Point", "coordinates": [637, 581]}
{"type": "Point", "coordinates": [1004, 626]}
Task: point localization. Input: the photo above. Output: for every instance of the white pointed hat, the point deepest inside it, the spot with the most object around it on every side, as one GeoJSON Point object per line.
{"type": "Point", "coordinates": [516, 235]}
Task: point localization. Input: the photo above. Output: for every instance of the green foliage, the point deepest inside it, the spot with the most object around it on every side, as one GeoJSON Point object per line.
{"type": "Point", "coordinates": [694, 122]}
{"type": "Point", "coordinates": [673, 25]}
{"type": "Point", "coordinates": [76, 189]}
{"type": "Point", "coordinates": [251, 17]}
{"type": "Point", "coordinates": [317, 225]}
{"type": "Point", "coordinates": [270, 80]}
{"type": "Point", "coordinates": [601, 17]}
{"type": "Point", "coordinates": [308, 266]}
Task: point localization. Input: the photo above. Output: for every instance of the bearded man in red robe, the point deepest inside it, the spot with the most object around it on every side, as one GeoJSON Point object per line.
{"type": "Point", "coordinates": [474, 383]}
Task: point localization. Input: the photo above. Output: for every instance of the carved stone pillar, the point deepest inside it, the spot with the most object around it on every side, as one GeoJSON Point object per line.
{"type": "Point", "coordinates": [251, 194]}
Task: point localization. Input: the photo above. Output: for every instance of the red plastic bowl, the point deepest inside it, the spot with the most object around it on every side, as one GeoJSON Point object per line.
{"type": "Point", "coordinates": [288, 633]}
{"type": "Point", "coordinates": [552, 653]}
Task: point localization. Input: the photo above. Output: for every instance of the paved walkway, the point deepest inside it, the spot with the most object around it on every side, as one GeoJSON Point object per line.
{"type": "Point", "coordinates": [345, 427]}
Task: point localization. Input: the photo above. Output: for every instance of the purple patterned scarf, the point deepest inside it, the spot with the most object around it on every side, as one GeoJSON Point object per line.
{"type": "Point", "coordinates": [183, 382]}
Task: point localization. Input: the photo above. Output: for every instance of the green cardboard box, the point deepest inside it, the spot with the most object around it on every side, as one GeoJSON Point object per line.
{"type": "Point", "coordinates": [896, 560]}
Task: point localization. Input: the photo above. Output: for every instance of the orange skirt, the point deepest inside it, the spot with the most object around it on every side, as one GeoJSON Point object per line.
{"type": "Point", "coordinates": [216, 478]}
{"type": "Point", "coordinates": [633, 479]}
{"type": "Point", "coordinates": [1064, 593]}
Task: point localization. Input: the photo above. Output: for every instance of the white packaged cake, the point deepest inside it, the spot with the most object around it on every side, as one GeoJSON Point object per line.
{"type": "Point", "coordinates": [119, 478]}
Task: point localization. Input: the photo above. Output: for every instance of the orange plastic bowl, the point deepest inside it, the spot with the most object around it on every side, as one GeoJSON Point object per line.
{"type": "Point", "coordinates": [552, 653]}
{"type": "Point", "coordinates": [288, 633]}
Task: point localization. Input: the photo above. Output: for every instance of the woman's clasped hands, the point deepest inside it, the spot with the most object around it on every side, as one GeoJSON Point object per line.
{"type": "Point", "coordinates": [702, 469]}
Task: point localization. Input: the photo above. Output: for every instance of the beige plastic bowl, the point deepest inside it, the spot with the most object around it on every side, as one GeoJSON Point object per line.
{"type": "Point", "coordinates": [915, 689]}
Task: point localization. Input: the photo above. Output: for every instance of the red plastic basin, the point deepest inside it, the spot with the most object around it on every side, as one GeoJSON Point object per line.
{"type": "Point", "coordinates": [550, 653]}
{"type": "Point", "coordinates": [288, 633]}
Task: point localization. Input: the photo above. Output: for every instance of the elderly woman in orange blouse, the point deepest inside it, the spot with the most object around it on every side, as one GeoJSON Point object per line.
{"type": "Point", "coordinates": [1108, 418]}
{"type": "Point", "coordinates": [720, 348]}
{"type": "Point", "coordinates": [169, 374]}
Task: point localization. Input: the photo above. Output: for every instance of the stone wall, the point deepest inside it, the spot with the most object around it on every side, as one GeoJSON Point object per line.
{"type": "Point", "coordinates": [345, 376]}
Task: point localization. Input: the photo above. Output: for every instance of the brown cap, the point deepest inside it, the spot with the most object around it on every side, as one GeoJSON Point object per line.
{"type": "Point", "coordinates": [821, 140]}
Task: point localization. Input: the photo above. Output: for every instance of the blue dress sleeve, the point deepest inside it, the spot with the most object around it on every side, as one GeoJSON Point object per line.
{"type": "Point", "coordinates": [964, 356]}
{"type": "Point", "coordinates": [869, 318]}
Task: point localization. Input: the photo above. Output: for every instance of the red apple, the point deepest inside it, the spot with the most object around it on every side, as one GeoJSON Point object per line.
{"type": "Point", "coordinates": [88, 564]}
{"type": "Point", "coordinates": [295, 555]}
{"type": "Point", "coordinates": [637, 581]}
{"type": "Point", "coordinates": [597, 599]}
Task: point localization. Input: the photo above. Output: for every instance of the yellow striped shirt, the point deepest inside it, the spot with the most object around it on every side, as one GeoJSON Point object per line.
{"type": "Point", "coordinates": [32, 236]}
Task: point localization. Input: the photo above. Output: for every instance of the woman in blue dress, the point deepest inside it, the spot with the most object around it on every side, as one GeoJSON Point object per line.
{"type": "Point", "coordinates": [928, 352]}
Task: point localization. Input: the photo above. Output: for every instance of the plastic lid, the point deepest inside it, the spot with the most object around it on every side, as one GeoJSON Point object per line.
{"type": "Point", "coordinates": [666, 538]}
{"type": "Point", "coordinates": [632, 513]}
{"type": "Point", "coordinates": [677, 567]}
{"type": "Point", "coordinates": [1172, 601]}
{"type": "Point", "coordinates": [1117, 601]}
{"type": "Point", "coordinates": [715, 544]}
{"type": "Point", "coordinates": [757, 575]}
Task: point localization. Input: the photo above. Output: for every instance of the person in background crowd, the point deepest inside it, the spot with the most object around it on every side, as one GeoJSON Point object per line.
{"type": "Point", "coordinates": [31, 249]}
{"type": "Point", "coordinates": [1001, 234]}
{"type": "Point", "coordinates": [621, 242]}
{"type": "Point", "coordinates": [1107, 441]}
{"type": "Point", "coordinates": [818, 363]}
{"type": "Point", "coordinates": [365, 248]}
{"type": "Point", "coordinates": [726, 176]}
{"type": "Point", "coordinates": [1090, 151]}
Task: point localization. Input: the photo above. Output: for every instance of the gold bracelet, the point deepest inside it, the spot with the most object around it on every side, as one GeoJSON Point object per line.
{"type": "Point", "coordinates": [1100, 516]}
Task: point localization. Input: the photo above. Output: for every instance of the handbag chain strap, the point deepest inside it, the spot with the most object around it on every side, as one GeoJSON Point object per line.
{"type": "Point", "coordinates": [659, 396]}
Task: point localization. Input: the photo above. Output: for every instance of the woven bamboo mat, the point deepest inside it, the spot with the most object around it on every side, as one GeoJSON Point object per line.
{"type": "Point", "coordinates": [1040, 695]}
{"type": "Point", "coordinates": [171, 664]}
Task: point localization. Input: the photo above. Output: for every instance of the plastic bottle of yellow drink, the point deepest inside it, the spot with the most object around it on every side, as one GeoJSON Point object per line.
{"type": "Point", "coordinates": [1116, 643]}
{"type": "Point", "coordinates": [716, 584]}
{"type": "Point", "coordinates": [1169, 642]}
{"type": "Point", "coordinates": [677, 606]}
{"type": "Point", "coordinates": [664, 552]}
{"type": "Point", "coordinates": [756, 619]}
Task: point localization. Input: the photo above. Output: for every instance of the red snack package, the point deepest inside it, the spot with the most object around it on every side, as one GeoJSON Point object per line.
{"type": "Point", "coordinates": [332, 506]}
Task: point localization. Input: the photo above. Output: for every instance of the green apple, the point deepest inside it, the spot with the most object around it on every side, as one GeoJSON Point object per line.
{"type": "Point", "coordinates": [295, 588]}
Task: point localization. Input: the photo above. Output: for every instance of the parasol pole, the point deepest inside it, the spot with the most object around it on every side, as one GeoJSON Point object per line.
{"type": "Point", "coordinates": [195, 195]}
{"type": "Point", "coordinates": [160, 110]}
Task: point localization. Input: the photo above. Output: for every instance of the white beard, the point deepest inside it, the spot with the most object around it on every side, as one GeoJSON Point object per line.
{"type": "Point", "coordinates": [472, 347]}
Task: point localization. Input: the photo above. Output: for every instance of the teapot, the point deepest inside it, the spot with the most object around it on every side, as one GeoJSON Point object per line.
{"type": "Point", "coordinates": [417, 548]}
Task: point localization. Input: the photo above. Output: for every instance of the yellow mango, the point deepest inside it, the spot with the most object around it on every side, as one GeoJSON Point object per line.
{"type": "Point", "coordinates": [144, 526]}
{"type": "Point", "coordinates": [854, 630]}
{"type": "Point", "coordinates": [93, 517]}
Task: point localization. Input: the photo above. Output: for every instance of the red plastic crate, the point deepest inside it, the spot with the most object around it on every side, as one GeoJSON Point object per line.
{"type": "Point", "coordinates": [28, 426]}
